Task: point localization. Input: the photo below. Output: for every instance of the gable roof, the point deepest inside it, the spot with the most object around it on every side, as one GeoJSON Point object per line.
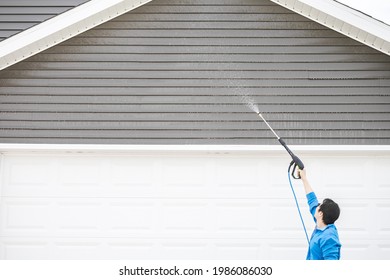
{"type": "Point", "coordinates": [334, 15]}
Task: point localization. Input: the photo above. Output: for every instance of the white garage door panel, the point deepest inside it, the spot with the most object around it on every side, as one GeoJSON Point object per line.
{"type": "Point", "coordinates": [187, 206]}
{"type": "Point", "coordinates": [150, 218]}
{"type": "Point", "coordinates": [201, 177]}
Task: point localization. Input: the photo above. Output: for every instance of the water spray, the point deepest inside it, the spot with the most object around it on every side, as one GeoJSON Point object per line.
{"type": "Point", "coordinates": [295, 160]}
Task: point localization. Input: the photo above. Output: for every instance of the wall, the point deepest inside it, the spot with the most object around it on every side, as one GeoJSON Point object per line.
{"type": "Point", "coordinates": [180, 72]}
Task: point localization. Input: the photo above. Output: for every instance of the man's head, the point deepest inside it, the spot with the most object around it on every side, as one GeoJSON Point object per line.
{"type": "Point", "coordinates": [328, 211]}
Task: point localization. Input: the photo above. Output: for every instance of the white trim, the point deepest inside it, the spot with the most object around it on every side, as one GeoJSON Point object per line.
{"type": "Point", "coordinates": [278, 149]}
{"type": "Point", "coordinates": [62, 27]}
{"type": "Point", "coordinates": [343, 19]}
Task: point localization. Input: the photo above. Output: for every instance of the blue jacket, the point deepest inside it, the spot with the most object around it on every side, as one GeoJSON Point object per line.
{"type": "Point", "coordinates": [324, 243]}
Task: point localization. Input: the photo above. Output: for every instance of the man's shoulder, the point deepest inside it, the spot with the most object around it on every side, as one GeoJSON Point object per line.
{"type": "Point", "coordinates": [330, 232]}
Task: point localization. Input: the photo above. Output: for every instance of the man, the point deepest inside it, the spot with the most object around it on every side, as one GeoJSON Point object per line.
{"type": "Point", "coordinates": [324, 242]}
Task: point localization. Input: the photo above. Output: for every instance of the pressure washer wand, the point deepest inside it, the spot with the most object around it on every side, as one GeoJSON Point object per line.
{"type": "Point", "coordinates": [295, 160]}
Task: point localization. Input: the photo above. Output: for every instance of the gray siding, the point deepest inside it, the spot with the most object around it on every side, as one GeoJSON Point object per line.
{"type": "Point", "coordinates": [19, 15]}
{"type": "Point", "coordinates": [175, 71]}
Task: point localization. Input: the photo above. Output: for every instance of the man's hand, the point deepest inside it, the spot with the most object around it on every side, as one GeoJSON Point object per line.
{"type": "Point", "coordinates": [302, 173]}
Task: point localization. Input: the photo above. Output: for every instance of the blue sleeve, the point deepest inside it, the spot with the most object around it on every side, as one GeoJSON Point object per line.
{"type": "Point", "coordinates": [313, 203]}
{"type": "Point", "coordinates": [330, 249]}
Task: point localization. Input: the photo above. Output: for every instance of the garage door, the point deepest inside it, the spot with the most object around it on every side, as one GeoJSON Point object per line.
{"type": "Point", "coordinates": [185, 204]}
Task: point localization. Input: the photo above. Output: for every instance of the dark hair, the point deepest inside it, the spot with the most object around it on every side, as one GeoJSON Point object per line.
{"type": "Point", "coordinates": [330, 211]}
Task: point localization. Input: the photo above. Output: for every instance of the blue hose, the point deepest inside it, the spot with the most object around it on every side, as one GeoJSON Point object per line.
{"type": "Point", "coordinates": [299, 210]}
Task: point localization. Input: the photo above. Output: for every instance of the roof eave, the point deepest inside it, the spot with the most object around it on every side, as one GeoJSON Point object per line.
{"type": "Point", "coordinates": [344, 20]}
{"type": "Point", "coordinates": [62, 27]}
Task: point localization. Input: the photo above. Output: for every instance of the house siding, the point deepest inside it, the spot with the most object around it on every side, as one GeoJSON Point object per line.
{"type": "Point", "coordinates": [181, 71]}
{"type": "Point", "coordinates": [19, 15]}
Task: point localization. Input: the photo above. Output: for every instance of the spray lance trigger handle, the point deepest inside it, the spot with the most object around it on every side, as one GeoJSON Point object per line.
{"type": "Point", "coordinates": [296, 161]}
{"type": "Point", "coordinates": [294, 164]}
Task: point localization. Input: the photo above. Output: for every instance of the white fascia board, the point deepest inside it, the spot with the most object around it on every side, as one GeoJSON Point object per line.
{"type": "Point", "coordinates": [343, 19]}
{"type": "Point", "coordinates": [62, 27]}
{"type": "Point", "coordinates": [352, 150]}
